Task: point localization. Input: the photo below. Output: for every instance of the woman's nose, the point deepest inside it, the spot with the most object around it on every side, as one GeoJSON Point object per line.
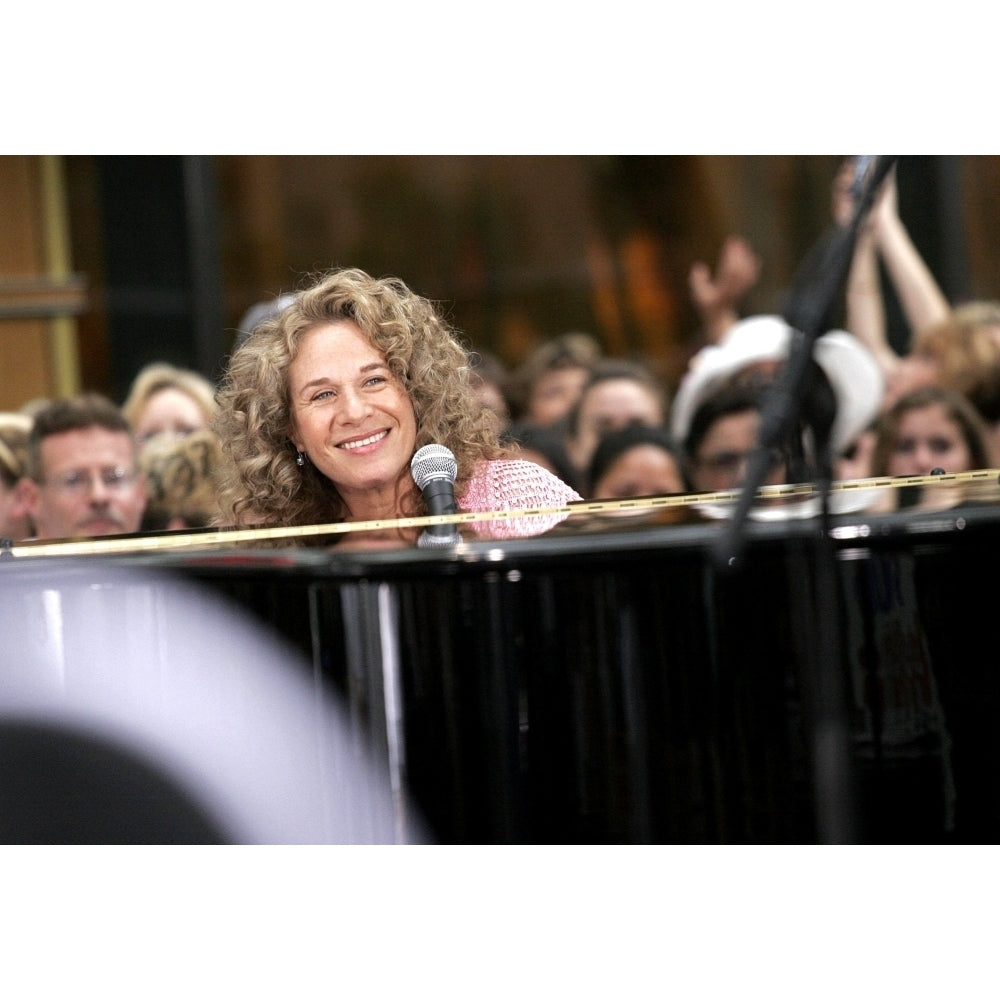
{"type": "Point", "coordinates": [353, 406]}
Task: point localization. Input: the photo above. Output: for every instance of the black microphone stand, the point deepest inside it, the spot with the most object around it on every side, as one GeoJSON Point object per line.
{"type": "Point", "coordinates": [793, 406]}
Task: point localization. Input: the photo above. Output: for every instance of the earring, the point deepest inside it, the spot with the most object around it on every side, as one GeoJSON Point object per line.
{"type": "Point", "coordinates": [300, 459]}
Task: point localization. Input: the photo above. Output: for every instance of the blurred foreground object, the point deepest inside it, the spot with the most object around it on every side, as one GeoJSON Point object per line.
{"type": "Point", "coordinates": [133, 710]}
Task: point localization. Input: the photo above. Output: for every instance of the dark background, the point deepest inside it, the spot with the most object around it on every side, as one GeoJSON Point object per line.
{"type": "Point", "coordinates": [175, 249]}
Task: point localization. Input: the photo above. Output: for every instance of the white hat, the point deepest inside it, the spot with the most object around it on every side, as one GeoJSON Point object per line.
{"type": "Point", "coordinates": [851, 368]}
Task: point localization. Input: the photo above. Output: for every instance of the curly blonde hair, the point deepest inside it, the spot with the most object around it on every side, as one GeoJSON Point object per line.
{"type": "Point", "coordinates": [966, 348]}
{"type": "Point", "coordinates": [261, 484]}
{"type": "Point", "coordinates": [180, 480]}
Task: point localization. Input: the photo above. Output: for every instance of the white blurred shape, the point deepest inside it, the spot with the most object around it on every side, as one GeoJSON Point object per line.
{"type": "Point", "coordinates": [171, 671]}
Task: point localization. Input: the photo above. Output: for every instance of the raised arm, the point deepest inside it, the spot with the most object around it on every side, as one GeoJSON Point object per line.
{"type": "Point", "coordinates": [865, 308]}
{"type": "Point", "coordinates": [920, 297]}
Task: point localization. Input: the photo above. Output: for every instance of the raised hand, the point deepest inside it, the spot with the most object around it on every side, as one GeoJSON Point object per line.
{"type": "Point", "coordinates": [717, 296]}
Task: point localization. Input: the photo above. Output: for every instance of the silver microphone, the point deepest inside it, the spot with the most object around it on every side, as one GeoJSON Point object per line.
{"type": "Point", "coordinates": [434, 469]}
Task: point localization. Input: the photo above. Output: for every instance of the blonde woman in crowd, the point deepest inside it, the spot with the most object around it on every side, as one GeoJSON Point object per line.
{"type": "Point", "coordinates": [164, 399]}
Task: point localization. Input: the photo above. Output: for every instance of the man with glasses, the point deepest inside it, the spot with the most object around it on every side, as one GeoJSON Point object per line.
{"type": "Point", "coordinates": [82, 477]}
{"type": "Point", "coordinates": [721, 438]}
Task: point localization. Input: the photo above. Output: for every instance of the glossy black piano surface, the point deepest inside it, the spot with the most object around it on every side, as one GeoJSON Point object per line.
{"type": "Point", "coordinates": [609, 682]}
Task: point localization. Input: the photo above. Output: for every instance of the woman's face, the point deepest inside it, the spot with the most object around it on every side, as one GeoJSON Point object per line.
{"type": "Point", "coordinates": [724, 454]}
{"type": "Point", "coordinates": [609, 406]}
{"type": "Point", "coordinates": [929, 439]}
{"type": "Point", "coordinates": [351, 417]}
{"type": "Point", "coordinates": [644, 470]}
{"type": "Point", "coordinates": [169, 411]}
{"type": "Point", "coordinates": [554, 394]}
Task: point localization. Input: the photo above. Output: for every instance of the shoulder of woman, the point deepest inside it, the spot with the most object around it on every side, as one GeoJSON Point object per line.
{"type": "Point", "coordinates": [504, 484]}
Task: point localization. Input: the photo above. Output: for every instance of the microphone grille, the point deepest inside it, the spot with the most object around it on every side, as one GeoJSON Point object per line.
{"type": "Point", "coordinates": [433, 461]}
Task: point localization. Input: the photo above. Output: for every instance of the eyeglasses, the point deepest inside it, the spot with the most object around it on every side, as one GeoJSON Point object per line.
{"type": "Point", "coordinates": [80, 481]}
{"type": "Point", "coordinates": [726, 461]}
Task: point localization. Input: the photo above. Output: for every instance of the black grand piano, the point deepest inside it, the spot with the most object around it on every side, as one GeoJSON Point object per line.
{"type": "Point", "coordinates": [611, 682]}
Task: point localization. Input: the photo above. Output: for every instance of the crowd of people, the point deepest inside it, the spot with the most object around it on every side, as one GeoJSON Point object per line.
{"type": "Point", "coordinates": [330, 391]}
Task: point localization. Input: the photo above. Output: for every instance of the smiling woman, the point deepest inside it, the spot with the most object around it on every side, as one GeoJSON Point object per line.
{"type": "Point", "coordinates": [352, 419]}
{"type": "Point", "coordinates": [929, 429]}
{"type": "Point", "coordinates": [324, 405]}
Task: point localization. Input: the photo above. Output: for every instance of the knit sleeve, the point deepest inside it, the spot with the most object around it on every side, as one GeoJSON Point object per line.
{"type": "Point", "coordinates": [514, 484]}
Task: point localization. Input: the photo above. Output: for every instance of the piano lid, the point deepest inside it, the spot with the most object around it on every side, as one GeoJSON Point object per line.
{"type": "Point", "coordinates": [895, 504]}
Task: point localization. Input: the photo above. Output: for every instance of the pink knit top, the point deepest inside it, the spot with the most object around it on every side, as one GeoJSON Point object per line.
{"type": "Point", "coordinates": [514, 484]}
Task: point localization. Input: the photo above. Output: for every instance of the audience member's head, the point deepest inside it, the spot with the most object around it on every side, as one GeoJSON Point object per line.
{"type": "Point", "coordinates": [616, 393]}
{"type": "Point", "coordinates": [491, 382]}
{"type": "Point", "coordinates": [14, 521]}
{"type": "Point", "coordinates": [168, 400]}
{"type": "Point", "coordinates": [260, 312]}
{"type": "Point", "coordinates": [82, 477]}
{"type": "Point", "coordinates": [721, 436]}
{"type": "Point", "coordinates": [181, 481]}
{"type": "Point", "coordinates": [636, 461]}
{"type": "Point", "coordinates": [926, 431]}
{"type": "Point", "coordinates": [931, 428]}
{"type": "Point", "coordinates": [549, 380]}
